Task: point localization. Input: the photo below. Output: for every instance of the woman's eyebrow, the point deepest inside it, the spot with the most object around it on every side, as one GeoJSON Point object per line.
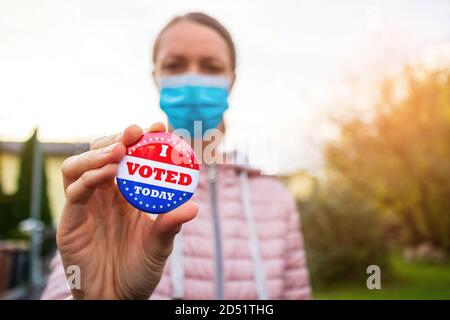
{"type": "Point", "coordinates": [173, 56]}
{"type": "Point", "coordinates": [212, 59]}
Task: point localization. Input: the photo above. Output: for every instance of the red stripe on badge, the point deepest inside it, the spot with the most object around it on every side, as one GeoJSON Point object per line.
{"type": "Point", "coordinates": [166, 148]}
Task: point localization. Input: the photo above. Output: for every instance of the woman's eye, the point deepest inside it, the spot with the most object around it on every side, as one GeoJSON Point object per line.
{"type": "Point", "coordinates": [172, 66]}
{"type": "Point", "coordinates": [213, 69]}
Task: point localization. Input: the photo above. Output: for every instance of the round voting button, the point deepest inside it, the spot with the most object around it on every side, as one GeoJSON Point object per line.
{"type": "Point", "coordinates": [158, 173]}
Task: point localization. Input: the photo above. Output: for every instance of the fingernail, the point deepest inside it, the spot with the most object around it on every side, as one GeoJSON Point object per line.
{"type": "Point", "coordinates": [110, 148]}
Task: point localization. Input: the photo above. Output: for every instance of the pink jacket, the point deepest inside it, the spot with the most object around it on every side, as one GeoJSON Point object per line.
{"type": "Point", "coordinates": [244, 243]}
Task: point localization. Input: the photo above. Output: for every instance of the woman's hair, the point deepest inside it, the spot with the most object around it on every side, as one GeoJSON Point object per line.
{"type": "Point", "coordinates": [205, 20]}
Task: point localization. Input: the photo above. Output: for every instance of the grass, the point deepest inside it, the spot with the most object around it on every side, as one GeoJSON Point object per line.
{"type": "Point", "coordinates": [407, 281]}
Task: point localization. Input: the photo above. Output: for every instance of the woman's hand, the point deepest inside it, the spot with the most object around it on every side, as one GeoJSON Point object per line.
{"type": "Point", "coordinates": [120, 250]}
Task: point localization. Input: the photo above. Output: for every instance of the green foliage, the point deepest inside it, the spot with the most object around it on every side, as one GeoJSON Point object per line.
{"type": "Point", "coordinates": [401, 158]}
{"type": "Point", "coordinates": [16, 208]}
{"type": "Point", "coordinates": [342, 234]}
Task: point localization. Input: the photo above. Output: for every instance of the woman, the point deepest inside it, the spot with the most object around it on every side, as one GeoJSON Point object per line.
{"type": "Point", "coordinates": [242, 240]}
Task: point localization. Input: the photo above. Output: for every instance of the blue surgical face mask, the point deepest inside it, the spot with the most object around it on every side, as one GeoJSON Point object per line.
{"type": "Point", "coordinates": [193, 97]}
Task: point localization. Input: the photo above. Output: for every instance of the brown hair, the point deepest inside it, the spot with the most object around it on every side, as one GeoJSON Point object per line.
{"type": "Point", "coordinates": [205, 20]}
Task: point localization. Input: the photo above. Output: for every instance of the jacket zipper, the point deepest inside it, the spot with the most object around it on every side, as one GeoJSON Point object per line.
{"type": "Point", "coordinates": [212, 177]}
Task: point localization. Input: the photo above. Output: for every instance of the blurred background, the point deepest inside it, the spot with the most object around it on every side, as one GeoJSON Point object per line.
{"type": "Point", "coordinates": [356, 94]}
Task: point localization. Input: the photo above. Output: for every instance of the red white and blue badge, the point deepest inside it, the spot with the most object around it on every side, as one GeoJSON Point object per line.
{"type": "Point", "coordinates": [158, 173]}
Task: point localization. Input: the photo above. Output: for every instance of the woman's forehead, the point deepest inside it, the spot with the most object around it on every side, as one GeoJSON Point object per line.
{"type": "Point", "coordinates": [190, 39]}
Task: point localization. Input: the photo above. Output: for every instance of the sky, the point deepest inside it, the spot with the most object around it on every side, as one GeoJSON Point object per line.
{"type": "Point", "coordinates": [81, 69]}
